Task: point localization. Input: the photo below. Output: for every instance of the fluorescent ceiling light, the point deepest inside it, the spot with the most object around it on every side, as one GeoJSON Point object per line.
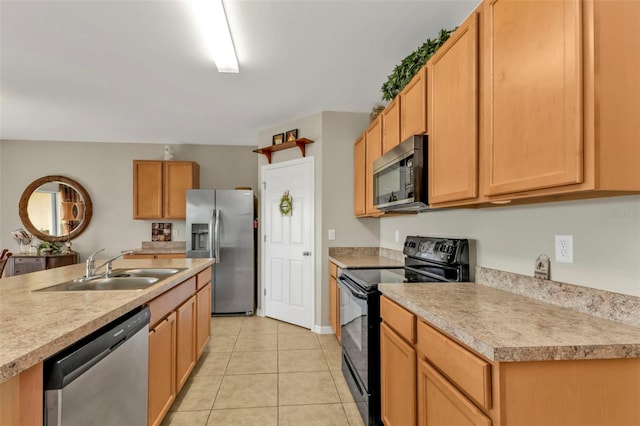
{"type": "Point", "coordinates": [213, 27]}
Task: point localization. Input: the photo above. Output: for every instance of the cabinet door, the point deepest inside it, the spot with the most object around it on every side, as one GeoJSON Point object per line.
{"type": "Point", "coordinates": [178, 177]}
{"type": "Point", "coordinates": [185, 341]}
{"type": "Point", "coordinates": [359, 173]}
{"type": "Point", "coordinates": [162, 369]}
{"type": "Point", "coordinates": [373, 141]}
{"type": "Point", "coordinates": [452, 79]}
{"type": "Point", "coordinates": [397, 379]}
{"type": "Point", "coordinates": [413, 106]}
{"type": "Point", "coordinates": [533, 95]}
{"type": "Point", "coordinates": [147, 189]}
{"type": "Point", "coordinates": [203, 322]}
{"type": "Point", "coordinates": [441, 404]}
{"type": "Point", "coordinates": [391, 125]}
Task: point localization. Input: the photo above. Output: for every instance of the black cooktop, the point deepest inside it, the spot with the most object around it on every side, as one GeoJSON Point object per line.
{"type": "Point", "coordinates": [428, 259]}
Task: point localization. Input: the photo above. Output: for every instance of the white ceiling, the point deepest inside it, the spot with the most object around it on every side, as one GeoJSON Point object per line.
{"type": "Point", "coordinates": [133, 71]}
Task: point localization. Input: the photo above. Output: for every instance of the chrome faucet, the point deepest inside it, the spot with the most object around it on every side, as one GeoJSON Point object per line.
{"type": "Point", "coordinates": [91, 265]}
{"type": "Point", "coordinates": [90, 270]}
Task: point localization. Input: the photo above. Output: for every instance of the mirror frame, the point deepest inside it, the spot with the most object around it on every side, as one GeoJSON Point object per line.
{"type": "Point", "coordinates": [24, 214]}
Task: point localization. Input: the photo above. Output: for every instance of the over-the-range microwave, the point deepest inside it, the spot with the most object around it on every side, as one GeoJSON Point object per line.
{"type": "Point", "coordinates": [400, 177]}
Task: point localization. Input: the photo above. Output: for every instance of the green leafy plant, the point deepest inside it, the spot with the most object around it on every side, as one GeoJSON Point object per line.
{"type": "Point", "coordinates": [404, 72]}
{"type": "Point", "coordinates": [55, 247]}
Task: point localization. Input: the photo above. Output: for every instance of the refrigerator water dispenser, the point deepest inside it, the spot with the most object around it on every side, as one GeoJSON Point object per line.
{"type": "Point", "coordinates": [200, 237]}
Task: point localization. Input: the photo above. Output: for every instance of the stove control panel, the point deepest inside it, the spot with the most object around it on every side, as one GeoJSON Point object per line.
{"type": "Point", "coordinates": [442, 250]}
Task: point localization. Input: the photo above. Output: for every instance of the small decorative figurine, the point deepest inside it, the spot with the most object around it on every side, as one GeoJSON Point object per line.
{"type": "Point", "coordinates": [168, 152]}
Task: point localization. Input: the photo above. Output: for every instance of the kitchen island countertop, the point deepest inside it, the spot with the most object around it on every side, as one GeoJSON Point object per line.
{"type": "Point", "coordinates": [35, 325]}
{"type": "Point", "coordinates": [507, 327]}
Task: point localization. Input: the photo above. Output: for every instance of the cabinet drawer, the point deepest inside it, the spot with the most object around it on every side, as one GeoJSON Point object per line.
{"type": "Point", "coordinates": [398, 318]}
{"type": "Point", "coordinates": [469, 372]}
{"type": "Point", "coordinates": [169, 301]}
{"type": "Point", "coordinates": [333, 270]}
{"type": "Point", "coordinates": [204, 278]}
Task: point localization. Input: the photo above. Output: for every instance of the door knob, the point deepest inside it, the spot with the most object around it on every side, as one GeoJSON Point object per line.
{"type": "Point", "coordinates": [306, 253]}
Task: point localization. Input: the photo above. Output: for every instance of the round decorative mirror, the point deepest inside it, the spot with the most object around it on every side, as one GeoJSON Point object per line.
{"type": "Point", "coordinates": [55, 208]}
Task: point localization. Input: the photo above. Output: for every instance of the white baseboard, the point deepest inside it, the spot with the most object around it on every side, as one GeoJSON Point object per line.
{"type": "Point", "coordinates": [259, 313]}
{"type": "Point", "coordinates": [322, 329]}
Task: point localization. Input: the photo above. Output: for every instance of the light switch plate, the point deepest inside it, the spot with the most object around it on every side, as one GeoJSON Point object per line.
{"type": "Point", "coordinates": [332, 234]}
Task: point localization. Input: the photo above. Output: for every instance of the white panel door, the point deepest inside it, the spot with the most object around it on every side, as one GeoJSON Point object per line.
{"type": "Point", "coordinates": [288, 241]}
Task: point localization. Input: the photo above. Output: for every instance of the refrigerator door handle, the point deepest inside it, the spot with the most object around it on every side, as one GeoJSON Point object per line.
{"type": "Point", "coordinates": [217, 236]}
{"type": "Point", "coordinates": [212, 237]}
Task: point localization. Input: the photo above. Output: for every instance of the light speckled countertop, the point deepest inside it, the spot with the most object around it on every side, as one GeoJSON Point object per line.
{"type": "Point", "coordinates": [507, 327]}
{"type": "Point", "coordinates": [35, 325]}
{"type": "Point", "coordinates": [364, 261]}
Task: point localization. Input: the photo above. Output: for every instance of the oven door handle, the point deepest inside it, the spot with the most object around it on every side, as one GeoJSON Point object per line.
{"type": "Point", "coordinates": [355, 292]}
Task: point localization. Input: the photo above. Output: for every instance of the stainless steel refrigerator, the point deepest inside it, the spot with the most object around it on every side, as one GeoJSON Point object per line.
{"type": "Point", "coordinates": [220, 224]}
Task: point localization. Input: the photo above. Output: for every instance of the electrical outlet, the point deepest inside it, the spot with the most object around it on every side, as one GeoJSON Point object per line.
{"type": "Point", "coordinates": [397, 236]}
{"type": "Point", "coordinates": [564, 248]}
{"type": "Point", "coordinates": [332, 234]}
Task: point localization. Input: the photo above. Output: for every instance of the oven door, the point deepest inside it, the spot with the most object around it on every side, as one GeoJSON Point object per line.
{"type": "Point", "coordinates": [354, 327]}
{"type": "Point", "coordinates": [360, 327]}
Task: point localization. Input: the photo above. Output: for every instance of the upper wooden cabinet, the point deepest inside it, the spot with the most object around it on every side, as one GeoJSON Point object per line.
{"type": "Point", "coordinates": [391, 125]}
{"type": "Point", "coordinates": [413, 106]}
{"type": "Point", "coordinates": [373, 142]}
{"type": "Point", "coordinates": [561, 115]}
{"type": "Point", "coordinates": [359, 177]}
{"type": "Point", "coordinates": [452, 88]}
{"type": "Point", "coordinates": [159, 188]}
{"type": "Point", "coordinates": [534, 137]}
{"type": "Point", "coordinates": [367, 148]}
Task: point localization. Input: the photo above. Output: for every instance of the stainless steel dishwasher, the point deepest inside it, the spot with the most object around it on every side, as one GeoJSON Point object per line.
{"type": "Point", "coordinates": [102, 379]}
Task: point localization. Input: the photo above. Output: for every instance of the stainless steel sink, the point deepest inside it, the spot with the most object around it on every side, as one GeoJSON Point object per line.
{"type": "Point", "coordinates": [146, 272]}
{"type": "Point", "coordinates": [119, 279]}
{"type": "Point", "coordinates": [115, 283]}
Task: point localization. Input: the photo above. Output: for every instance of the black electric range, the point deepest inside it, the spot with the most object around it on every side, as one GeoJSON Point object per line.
{"type": "Point", "coordinates": [427, 260]}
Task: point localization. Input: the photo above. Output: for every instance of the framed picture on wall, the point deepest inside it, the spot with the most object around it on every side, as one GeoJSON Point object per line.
{"type": "Point", "coordinates": [291, 135]}
{"type": "Point", "coordinates": [278, 139]}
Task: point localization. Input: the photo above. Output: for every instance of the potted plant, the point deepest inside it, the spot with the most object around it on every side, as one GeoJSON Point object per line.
{"type": "Point", "coordinates": [49, 247]}
{"type": "Point", "coordinates": [404, 72]}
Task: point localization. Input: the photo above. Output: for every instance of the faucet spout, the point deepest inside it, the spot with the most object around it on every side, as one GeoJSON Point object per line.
{"type": "Point", "coordinates": [107, 262]}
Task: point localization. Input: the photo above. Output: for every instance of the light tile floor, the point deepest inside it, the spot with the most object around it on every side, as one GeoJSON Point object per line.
{"type": "Point", "coordinates": [261, 372]}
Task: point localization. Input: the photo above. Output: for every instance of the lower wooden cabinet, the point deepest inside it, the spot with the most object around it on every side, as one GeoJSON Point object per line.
{"type": "Point", "coordinates": [186, 341]}
{"type": "Point", "coordinates": [180, 321]}
{"type": "Point", "coordinates": [334, 300]}
{"type": "Point", "coordinates": [440, 403]}
{"type": "Point", "coordinates": [203, 318]}
{"type": "Point", "coordinates": [162, 369]}
{"type": "Point", "coordinates": [21, 398]}
{"type": "Point", "coordinates": [397, 379]}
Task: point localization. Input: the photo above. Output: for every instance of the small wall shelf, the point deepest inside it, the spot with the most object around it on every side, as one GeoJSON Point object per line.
{"type": "Point", "coordinates": [268, 150]}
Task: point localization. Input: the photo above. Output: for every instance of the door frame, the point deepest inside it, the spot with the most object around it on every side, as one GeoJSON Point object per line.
{"type": "Point", "coordinates": [310, 163]}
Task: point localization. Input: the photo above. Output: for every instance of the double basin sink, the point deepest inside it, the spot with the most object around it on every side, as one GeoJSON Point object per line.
{"type": "Point", "coordinates": [118, 279]}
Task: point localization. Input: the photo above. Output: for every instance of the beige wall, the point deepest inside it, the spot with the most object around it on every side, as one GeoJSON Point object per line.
{"type": "Point", "coordinates": [333, 134]}
{"type": "Point", "coordinates": [105, 170]}
{"type": "Point", "coordinates": [606, 238]}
